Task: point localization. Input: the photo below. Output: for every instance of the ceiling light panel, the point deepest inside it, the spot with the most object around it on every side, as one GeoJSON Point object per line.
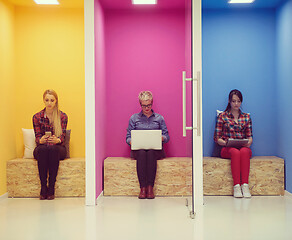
{"type": "Point", "coordinates": [241, 1]}
{"type": "Point", "coordinates": [144, 1]}
{"type": "Point", "coordinates": [47, 2]}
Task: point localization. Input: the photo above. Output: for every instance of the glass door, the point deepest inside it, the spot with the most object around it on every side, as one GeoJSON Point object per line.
{"type": "Point", "coordinates": [192, 104]}
{"type": "Point", "coordinates": [197, 105]}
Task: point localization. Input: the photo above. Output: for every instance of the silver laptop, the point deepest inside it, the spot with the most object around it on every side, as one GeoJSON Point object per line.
{"type": "Point", "coordinates": [236, 142]}
{"type": "Point", "coordinates": [146, 139]}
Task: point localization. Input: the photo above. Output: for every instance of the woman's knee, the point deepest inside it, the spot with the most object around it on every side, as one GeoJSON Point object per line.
{"type": "Point", "coordinates": [151, 153]}
{"type": "Point", "coordinates": [245, 151]}
{"type": "Point", "coordinates": [40, 151]}
{"type": "Point", "coordinates": [155, 154]}
{"type": "Point", "coordinates": [230, 153]}
{"type": "Point", "coordinates": [234, 155]}
{"type": "Point", "coordinates": [140, 154]}
{"type": "Point", "coordinates": [57, 152]}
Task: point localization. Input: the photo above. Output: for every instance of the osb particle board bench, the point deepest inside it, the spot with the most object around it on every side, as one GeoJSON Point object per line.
{"type": "Point", "coordinates": [173, 176]}
{"type": "Point", "coordinates": [23, 178]}
{"type": "Point", "coordinates": [266, 176]}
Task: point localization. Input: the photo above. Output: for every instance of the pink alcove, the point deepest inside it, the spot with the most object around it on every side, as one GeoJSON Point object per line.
{"type": "Point", "coordinates": [138, 48]}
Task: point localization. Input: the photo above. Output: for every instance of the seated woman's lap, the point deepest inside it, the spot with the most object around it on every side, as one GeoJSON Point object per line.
{"type": "Point", "coordinates": [57, 151]}
{"type": "Point", "coordinates": [149, 154]}
{"type": "Point", "coordinates": [229, 152]}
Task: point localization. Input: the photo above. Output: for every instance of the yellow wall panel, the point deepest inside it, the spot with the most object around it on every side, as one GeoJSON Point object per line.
{"type": "Point", "coordinates": [40, 48]}
{"type": "Point", "coordinates": [7, 86]}
{"type": "Point", "coordinates": [49, 49]}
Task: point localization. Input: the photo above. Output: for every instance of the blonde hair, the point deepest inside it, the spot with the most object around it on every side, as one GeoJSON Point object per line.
{"type": "Point", "coordinates": [145, 95]}
{"type": "Point", "coordinates": [56, 113]}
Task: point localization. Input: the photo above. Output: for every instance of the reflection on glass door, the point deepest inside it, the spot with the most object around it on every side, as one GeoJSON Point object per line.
{"type": "Point", "coordinates": [187, 92]}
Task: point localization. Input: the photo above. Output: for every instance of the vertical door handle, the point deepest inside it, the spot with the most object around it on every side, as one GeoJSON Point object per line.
{"type": "Point", "coordinates": [198, 80]}
{"type": "Point", "coordinates": [184, 79]}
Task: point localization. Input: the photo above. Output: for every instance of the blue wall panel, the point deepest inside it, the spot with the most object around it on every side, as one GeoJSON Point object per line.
{"type": "Point", "coordinates": [239, 51]}
{"type": "Point", "coordinates": [284, 90]}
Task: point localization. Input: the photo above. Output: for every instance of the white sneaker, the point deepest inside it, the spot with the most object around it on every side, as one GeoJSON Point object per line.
{"type": "Point", "coordinates": [237, 191]}
{"type": "Point", "coordinates": [245, 190]}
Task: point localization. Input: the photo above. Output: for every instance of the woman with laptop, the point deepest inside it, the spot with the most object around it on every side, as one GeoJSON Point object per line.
{"type": "Point", "coordinates": [146, 164]}
{"type": "Point", "coordinates": [50, 130]}
{"type": "Point", "coordinates": [231, 128]}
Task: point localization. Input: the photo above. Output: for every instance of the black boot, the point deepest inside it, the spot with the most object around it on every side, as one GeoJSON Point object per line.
{"type": "Point", "coordinates": [44, 192]}
{"type": "Point", "coordinates": [51, 192]}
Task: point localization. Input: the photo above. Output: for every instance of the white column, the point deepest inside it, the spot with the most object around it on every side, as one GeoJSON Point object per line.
{"type": "Point", "coordinates": [89, 102]}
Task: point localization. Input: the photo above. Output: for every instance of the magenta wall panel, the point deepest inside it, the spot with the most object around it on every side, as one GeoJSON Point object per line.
{"type": "Point", "coordinates": [100, 95]}
{"type": "Point", "coordinates": [144, 50]}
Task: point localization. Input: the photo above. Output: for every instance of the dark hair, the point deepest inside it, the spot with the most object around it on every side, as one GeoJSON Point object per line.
{"type": "Point", "coordinates": [233, 92]}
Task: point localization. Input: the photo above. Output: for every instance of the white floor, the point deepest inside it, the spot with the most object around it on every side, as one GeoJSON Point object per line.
{"type": "Point", "coordinates": [127, 218]}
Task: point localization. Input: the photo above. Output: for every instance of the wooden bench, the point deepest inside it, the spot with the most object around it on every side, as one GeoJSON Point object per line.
{"type": "Point", "coordinates": [266, 176]}
{"type": "Point", "coordinates": [173, 176]}
{"type": "Point", "coordinates": [23, 178]}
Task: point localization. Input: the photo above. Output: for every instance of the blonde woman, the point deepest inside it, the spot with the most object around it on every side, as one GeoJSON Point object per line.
{"type": "Point", "coordinates": [146, 164]}
{"type": "Point", "coordinates": [50, 129]}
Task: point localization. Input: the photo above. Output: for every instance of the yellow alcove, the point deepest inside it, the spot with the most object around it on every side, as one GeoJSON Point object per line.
{"type": "Point", "coordinates": [41, 47]}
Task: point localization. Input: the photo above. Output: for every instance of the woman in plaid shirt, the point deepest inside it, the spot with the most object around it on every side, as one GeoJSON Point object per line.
{"type": "Point", "coordinates": [50, 130]}
{"type": "Point", "coordinates": [232, 123]}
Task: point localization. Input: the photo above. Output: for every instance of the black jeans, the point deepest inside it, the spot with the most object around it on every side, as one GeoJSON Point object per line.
{"type": "Point", "coordinates": [146, 165]}
{"type": "Point", "coordinates": [48, 157]}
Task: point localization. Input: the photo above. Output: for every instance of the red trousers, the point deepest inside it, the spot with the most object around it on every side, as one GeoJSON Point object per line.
{"type": "Point", "coordinates": [240, 163]}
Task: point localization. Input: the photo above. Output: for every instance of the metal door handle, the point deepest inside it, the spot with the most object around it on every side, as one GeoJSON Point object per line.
{"type": "Point", "coordinates": [185, 128]}
{"type": "Point", "coordinates": [198, 80]}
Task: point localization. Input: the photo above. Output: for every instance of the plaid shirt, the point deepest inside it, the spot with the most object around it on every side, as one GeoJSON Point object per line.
{"type": "Point", "coordinates": [41, 124]}
{"type": "Point", "coordinates": [226, 127]}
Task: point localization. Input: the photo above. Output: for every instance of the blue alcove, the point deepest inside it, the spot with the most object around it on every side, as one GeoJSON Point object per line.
{"type": "Point", "coordinates": [249, 47]}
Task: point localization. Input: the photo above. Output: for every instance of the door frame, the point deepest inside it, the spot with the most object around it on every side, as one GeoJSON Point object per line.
{"type": "Point", "coordinates": [197, 157]}
{"type": "Point", "coordinates": [90, 159]}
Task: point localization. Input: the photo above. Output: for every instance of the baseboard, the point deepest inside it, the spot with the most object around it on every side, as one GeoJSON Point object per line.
{"type": "Point", "coordinates": [99, 199]}
{"type": "Point", "coordinates": [4, 196]}
{"type": "Point", "coordinates": [288, 194]}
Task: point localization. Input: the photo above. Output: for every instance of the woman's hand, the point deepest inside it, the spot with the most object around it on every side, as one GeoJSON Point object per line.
{"type": "Point", "coordinates": [249, 143]}
{"type": "Point", "coordinates": [53, 139]}
{"type": "Point", "coordinates": [222, 142]}
{"type": "Point", "coordinates": [44, 139]}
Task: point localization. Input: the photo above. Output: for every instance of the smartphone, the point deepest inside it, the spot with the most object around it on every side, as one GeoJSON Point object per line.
{"type": "Point", "coordinates": [48, 134]}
